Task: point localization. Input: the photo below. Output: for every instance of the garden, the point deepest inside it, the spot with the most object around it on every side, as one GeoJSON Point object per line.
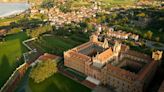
{"type": "Point", "coordinates": [56, 44]}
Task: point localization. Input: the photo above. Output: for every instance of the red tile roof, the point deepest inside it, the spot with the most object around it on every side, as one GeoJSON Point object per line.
{"type": "Point", "coordinates": [105, 55]}
{"type": "Point", "coordinates": [47, 56]}
{"type": "Point", "coordinates": [3, 32]}
{"type": "Point", "coordinates": [147, 70]}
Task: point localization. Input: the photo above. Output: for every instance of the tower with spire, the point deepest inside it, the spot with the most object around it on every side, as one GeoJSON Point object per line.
{"type": "Point", "coordinates": [157, 55]}
{"type": "Point", "coordinates": [93, 38]}
{"type": "Point", "coordinates": [105, 45]}
{"type": "Point", "coordinates": [117, 48]}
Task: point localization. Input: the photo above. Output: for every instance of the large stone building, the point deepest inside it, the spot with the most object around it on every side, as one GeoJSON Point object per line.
{"type": "Point", "coordinates": [114, 65]}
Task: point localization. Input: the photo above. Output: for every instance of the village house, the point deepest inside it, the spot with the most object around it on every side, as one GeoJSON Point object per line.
{"type": "Point", "coordinates": [121, 34]}
{"type": "Point", "coordinates": [3, 33]}
{"type": "Point", "coordinates": [118, 34]}
{"type": "Point", "coordinates": [59, 18]}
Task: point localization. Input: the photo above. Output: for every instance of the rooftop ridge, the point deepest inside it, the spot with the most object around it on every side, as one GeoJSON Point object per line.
{"type": "Point", "coordinates": [106, 54]}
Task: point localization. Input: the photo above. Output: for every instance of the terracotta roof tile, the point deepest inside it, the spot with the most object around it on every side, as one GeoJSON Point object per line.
{"type": "Point", "coordinates": [47, 56]}
{"type": "Point", "coordinates": [105, 55]}
{"type": "Point", "coordinates": [146, 70]}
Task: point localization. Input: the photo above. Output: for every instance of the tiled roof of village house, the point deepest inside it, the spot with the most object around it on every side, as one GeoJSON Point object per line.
{"type": "Point", "coordinates": [76, 16]}
{"type": "Point", "coordinates": [47, 56]}
{"type": "Point", "coordinates": [105, 55]}
{"type": "Point", "coordinates": [118, 72]}
{"type": "Point", "coordinates": [118, 33]}
{"type": "Point", "coordinates": [3, 32]}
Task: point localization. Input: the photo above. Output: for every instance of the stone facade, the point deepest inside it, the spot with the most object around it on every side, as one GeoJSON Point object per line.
{"type": "Point", "coordinates": [112, 64]}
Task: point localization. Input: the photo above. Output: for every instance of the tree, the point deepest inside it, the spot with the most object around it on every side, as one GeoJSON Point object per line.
{"type": "Point", "coordinates": [47, 4]}
{"type": "Point", "coordinates": [149, 34]}
{"type": "Point", "coordinates": [83, 24]}
{"type": "Point", "coordinates": [41, 30]}
{"type": "Point", "coordinates": [65, 8]}
{"type": "Point", "coordinates": [90, 27]}
{"type": "Point", "coordinates": [141, 14]}
{"type": "Point", "coordinates": [125, 20]}
{"type": "Point", "coordinates": [157, 39]}
{"type": "Point", "coordinates": [26, 23]}
{"type": "Point", "coordinates": [114, 15]}
{"type": "Point", "coordinates": [132, 43]}
{"type": "Point", "coordinates": [43, 70]}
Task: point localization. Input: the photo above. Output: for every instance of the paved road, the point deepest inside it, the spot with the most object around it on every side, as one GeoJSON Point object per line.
{"type": "Point", "coordinates": [150, 44]}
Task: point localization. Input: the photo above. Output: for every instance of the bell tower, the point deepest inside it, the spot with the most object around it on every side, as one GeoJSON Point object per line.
{"type": "Point", "coordinates": [93, 38]}
{"type": "Point", "coordinates": [157, 55]}
{"type": "Point", "coordinates": [105, 44]}
{"type": "Point", "coordinates": [117, 48]}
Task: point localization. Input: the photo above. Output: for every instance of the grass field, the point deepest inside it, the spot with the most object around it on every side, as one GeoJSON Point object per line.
{"type": "Point", "coordinates": [57, 44]}
{"type": "Point", "coordinates": [10, 50]}
{"type": "Point", "coordinates": [57, 83]}
{"type": "Point", "coordinates": [80, 4]}
{"type": "Point", "coordinates": [118, 1]}
{"type": "Point", "coordinates": [7, 21]}
{"type": "Point", "coordinates": [113, 3]}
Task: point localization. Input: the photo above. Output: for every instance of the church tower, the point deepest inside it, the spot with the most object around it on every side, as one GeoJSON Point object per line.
{"type": "Point", "coordinates": [117, 48]}
{"type": "Point", "coordinates": [105, 44]}
{"type": "Point", "coordinates": [93, 38]}
{"type": "Point", "coordinates": [157, 55]}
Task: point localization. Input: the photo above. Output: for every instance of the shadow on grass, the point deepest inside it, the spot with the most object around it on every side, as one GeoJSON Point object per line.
{"type": "Point", "coordinates": [4, 70]}
{"type": "Point", "coordinates": [52, 88]}
{"type": "Point", "coordinates": [11, 55]}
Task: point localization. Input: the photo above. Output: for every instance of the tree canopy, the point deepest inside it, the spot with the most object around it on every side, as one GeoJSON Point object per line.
{"type": "Point", "coordinates": [47, 4]}
{"type": "Point", "coordinates": [43, 70]}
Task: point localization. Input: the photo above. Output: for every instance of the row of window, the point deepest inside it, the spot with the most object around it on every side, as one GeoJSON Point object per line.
{"type": "Point", "coordinates": [123, 87]}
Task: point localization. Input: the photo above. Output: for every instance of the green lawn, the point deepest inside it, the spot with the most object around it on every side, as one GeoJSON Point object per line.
{"type": "Point", "coordinates": [7, 21]}
{"type": "Point", "coordinates": [57, 44]}
{"type": "Point", "coordinates": [80, 4]}
{"type": "Point", "coordinates": [10, 50]}
{"type": "Point", "coordinates": [57, 83]}
{"type": "Point", "coordinates": [113, 3]}
{"type": "Point", "coordinates": [118, 1]}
